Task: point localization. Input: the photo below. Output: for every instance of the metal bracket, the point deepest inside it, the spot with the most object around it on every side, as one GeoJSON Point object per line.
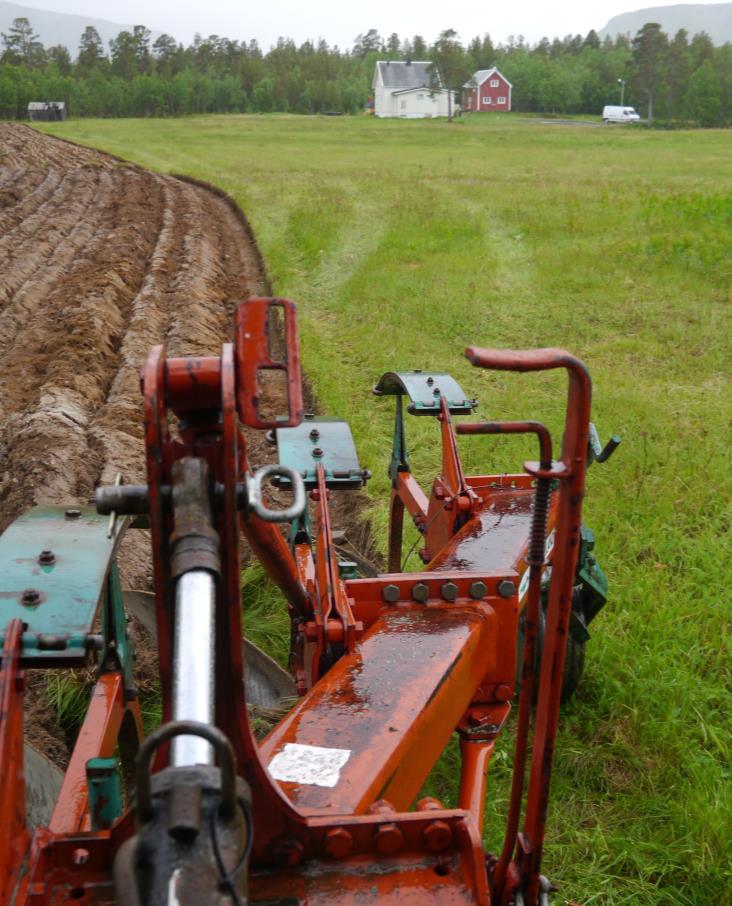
{"type": "Point", "coordinates": [424, 389]}
{"type": "Point", "coordinates": [322, 441]}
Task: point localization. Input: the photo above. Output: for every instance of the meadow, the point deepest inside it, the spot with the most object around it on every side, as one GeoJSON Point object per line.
{"type": "Point", "coordinates": [403, 242]}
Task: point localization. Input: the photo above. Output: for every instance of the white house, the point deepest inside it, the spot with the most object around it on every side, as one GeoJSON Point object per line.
{"type": "Point", "coordinates": [403, 89]}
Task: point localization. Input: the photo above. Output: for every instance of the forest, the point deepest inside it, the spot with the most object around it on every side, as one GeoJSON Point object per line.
{"type": "Point", "coordinates": [678, 80]}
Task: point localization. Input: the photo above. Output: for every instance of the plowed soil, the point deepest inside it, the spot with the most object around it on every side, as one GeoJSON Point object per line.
{"type": "Point", "coordinates": [99, 261]}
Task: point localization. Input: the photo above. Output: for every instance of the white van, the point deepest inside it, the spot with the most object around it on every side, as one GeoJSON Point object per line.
{"type": "Point", "coordinates": [612, 114]}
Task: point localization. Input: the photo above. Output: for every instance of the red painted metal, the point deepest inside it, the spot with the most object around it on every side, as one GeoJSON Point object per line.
{"type": "Point", "coordinates": [97, 739]}
{"type": "Point", "coordinates": [388, 667]}
{"type": "Point", "coordinates": [13, 832]}
{"type": "Point", "coordinates": [256, 344]}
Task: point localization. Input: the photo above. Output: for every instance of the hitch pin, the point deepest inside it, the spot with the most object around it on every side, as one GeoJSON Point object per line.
{"type": "Point", "coordinates": [113, 515]}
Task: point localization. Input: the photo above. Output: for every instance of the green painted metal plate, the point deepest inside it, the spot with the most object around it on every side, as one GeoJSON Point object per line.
{"type": "Point", "coordinates": [323, 440]}
{"type": "Point", "coordinates": [65, 593]}
{"type": "Point", "coordinates": [424, 389]}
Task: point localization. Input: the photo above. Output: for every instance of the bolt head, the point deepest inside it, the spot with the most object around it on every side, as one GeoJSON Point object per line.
{"type": "Point", "coordinates": [429, 804]}
{"type": "Point", "coordinates": [338, 843]}
{"type": "Point", "coordinates": [390, 593]}
{"type": "Point", "coordinates": [314, 434]}
{"type": "Point", "coordinates": [388, 839]}
{"type": "Point", "coordinates": [317, 452]}
{"type": "Point", "coordinates": [503, 692]}
{"type": "Point", "coordinates": [449, 591]}
{"type": "Point", "coordinates": [437, 836]}
{"type": "Point", "coordinates": [478, 590]}
{"type": "Point", "coordinates": [288, 852]}
{"type": "Point", "coordinates": [80, 856]}
{"type": "Point", "coordinates": [72, 514]}
{"type": "Point", "coordinates": [420, 592]}
{"type": "Point", "coordinates": [46, 558]}
{"type": "Point", "coordinates": [30, 597]}
{"type": "Point", "coordinates": [506, 588]}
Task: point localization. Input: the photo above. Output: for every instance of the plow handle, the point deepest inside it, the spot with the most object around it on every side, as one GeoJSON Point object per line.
{"type": "Point", "coordinates": [564, 562]}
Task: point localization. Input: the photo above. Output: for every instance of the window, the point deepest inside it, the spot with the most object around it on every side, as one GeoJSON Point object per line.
{"type": "Point", "coordinates": [487, 100]}
{"type": "Point", "coordinates": [494, 83]}
{"type": "Point", "coordinates": [501, 101]}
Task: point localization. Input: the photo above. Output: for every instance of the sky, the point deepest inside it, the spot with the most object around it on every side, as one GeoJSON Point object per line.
{"type": "Point", "coordinates": [338, 21]}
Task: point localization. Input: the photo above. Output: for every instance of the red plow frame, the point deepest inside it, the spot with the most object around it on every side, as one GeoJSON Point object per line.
{"type": "Point", "coordinates": [388, 666]}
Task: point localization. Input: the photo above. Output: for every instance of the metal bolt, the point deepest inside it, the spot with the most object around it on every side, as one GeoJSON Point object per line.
{"type": "Point", "coordinates": [436, 391]}
{"type": "Point", "coordinates": [429, 804]}
{"type": "Point", "coordinates": [388, 839]}
{"type": "Point", "coordinates": [314, 434]}
{"type": "Point", "coordinates": [390, 593]}
{"type": "Point", "coordinates": [430, 381]}
{"type": "Point", "coordinates": [317, 452]}
{"type": "Point", "coordinates": [478, 590]}
{"type": "Point", "coordinates": [503, 692]}
{"type": "Point", "coordinates": [449, 591]}
{"type": "Point", "coordinates": [30, 597]}
{"type": "Point", "coordinates": [288, 852]}
{"type": "Point", "coordinates": [72, 514]}
{"type": "Point", "coordinates": [46, 558]}
{"type": "Point", "coordinates": [437, 836]}
{"type": "Point", "coordinates": [506, 588]}
{"type": "Point", "coordinates": [80, 856]}
{"type": "Point", "coordinates": [420, 592]}
{"type": "Point", "coordinates": [338, 843]}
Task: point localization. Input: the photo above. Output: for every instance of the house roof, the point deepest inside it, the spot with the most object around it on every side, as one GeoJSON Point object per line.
{"type": "Point", "coordinates": [481, 75]}
{"type": "Point", "coordinates": [45, 105]}
{"type": "Point", "coordinates": [402, 75]}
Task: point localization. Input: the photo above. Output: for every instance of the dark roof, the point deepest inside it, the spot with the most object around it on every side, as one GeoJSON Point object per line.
{"type": "Point", "coordinates": [400, 75]}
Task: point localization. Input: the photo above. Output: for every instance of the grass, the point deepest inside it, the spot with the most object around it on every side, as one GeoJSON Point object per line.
{"type": "Point", "coordinates": [405, 241]}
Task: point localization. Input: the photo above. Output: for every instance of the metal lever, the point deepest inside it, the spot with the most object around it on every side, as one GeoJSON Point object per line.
{"type": "Point", "coordinates": [254, 494]}
{"type": "Point", "coordinates": [595, 451]}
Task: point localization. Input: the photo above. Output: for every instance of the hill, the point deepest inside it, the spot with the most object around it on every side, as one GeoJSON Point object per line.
{"type": "Point", "coordinates": [59, 28]}
{"type": "Point", "coordinates": [713, 18]}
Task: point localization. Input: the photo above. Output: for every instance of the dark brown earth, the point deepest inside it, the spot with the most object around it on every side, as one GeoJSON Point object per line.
{"type": "Point", "coordinates": [99, 261]}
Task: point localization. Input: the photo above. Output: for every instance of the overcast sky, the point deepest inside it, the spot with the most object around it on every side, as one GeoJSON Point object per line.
{"type": "Point", "coordinates": [338, 21]}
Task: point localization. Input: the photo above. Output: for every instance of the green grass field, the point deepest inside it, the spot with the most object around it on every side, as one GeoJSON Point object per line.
{"type": "Point", "coordinates": [403, 242]}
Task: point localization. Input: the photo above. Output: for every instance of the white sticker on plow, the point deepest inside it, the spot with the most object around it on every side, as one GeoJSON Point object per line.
{"type": "Point", "coordinates": [308, 764]}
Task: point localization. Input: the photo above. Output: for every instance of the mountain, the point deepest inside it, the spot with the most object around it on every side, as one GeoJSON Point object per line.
{"type": "Point", "coordinates": [60, 28]}
{"type": "Point", "coordinates": [713, 18]}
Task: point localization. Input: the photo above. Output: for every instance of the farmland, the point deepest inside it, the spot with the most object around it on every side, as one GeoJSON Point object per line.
{"type": "Point", "coordinates": [403, 242]}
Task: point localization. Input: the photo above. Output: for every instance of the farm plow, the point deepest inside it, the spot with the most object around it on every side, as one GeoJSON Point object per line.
{"type": "Point", "coordinates": [385, 667]}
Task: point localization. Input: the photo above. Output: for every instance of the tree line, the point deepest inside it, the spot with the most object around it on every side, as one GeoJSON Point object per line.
{"type": "Point", "coordinates": [673, 80]}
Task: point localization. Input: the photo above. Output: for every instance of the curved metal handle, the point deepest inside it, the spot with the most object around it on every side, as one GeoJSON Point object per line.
{"type": "Point", "coordinates": [254, 494]}
{"type": "Point", "coordinates": [222, 748]}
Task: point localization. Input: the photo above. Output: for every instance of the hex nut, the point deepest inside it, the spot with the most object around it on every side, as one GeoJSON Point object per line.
{"type": "Point", "coordinates": [506, 588]}
{"type": "Point", "coordinates": [72, 514]}
{"type": "Point", "coordinates": [437, 836]}
{"type": "Point", "coordinates": [390, 593]}
{"type": "Point", "coordinates": [338, 843]}
{"type": "Point", "coordinates": [288, 852]}
{"type": "Point", "coordinates": [388, 839]}
{"type": "Point", "coordinates": [46, 558]}
{"type": "Point", "coordinates": [30, 597]}
{"type": "Point", "coordinates": [449, 591]}
{"type": "Point", "coordinates": [478, 590]}
{"type": "Point", "coordinates": [420, 592]}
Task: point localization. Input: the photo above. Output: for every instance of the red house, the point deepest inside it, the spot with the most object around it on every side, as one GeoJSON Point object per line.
{"type": "Point", "coordinates": [487, 90]}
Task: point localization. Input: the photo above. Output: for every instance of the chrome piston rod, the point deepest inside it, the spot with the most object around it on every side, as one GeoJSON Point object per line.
{"type": "Point", "coordinates": [193, 663]}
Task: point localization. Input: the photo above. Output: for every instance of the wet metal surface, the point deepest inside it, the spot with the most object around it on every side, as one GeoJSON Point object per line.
{"type": "Point", "coordinates": [494, 539]}
{"type": "Point", "coordinates": [397, 697]}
